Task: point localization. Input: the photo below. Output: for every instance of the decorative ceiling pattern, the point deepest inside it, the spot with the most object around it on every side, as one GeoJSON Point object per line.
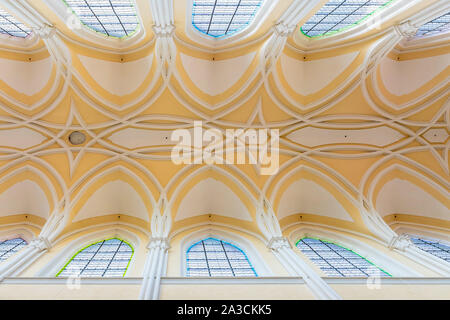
{"type": "Point", "coordinates": [357, 120]}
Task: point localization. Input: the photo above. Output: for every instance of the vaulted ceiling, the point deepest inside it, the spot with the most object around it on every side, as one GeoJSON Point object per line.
{"type": "Point", "coordinates": [363, 114]}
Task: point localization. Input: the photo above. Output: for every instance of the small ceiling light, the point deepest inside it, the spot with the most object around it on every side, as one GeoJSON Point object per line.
{"type": "Point", "coordinates": [77, 138]}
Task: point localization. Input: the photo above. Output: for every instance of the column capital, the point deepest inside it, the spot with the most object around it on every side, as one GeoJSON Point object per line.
{"type": "Point", "coordinates": [164, 30]}
{"type": "Point", "coordinates": [400, 242]}
{"type": "Point", "coordinates": [41, 243]}
{"type": "Point", "coordinates": [277, 243]}
{"type": "Point", "coordinates": [161, 243]}
{"type": "Point", "coordinates": [406, 29]}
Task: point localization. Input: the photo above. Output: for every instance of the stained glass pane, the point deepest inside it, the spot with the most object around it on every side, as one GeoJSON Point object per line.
{"type": "Point", "coordinates": [115, 18]}
{"type": "Point", "coordinates": [218, 18]}
{"type": "Point", "coordinates": [11, 26]}
{"type": "Point", "coordinates": [336, 261]}
{"type": "Point", "coordinates": [216, 258]}
{"type": "Point", "coordinates": [438, 25]}
{"type": "Point", "coordinates": [10, 247]}
{"type": "Point", "coordinates": [337, 15]}
{"type": "Point", "coordinates": [108, 258]}
{"type": "Point", "coordinates": [434, 247]}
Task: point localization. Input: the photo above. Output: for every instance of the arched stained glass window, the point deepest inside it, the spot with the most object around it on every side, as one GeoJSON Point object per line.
{"type": "Point", "coordinates": [11, 26]}
{"type": "Point", "coordinates": [108, 258]}
{"type": "Point", "coordinates": [338, 15]}
{"type": "Point", "coordinates": [337, 261]}
{"type": "Point", "coordinates": [114, 18]}
{"type": "Point", "coordinates": [217, 258]}
{"type": "Point", "coordinates": [10, 247]}
{"type": "Point", "coordinates": [218, 18]}
{"type": "Point", "coordinates": [434, 247]}
{"type": "Point", "coordinates": [438, 25]}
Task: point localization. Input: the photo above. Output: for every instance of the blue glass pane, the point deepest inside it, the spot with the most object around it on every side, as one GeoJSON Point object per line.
{"type": "Point", "coordinates": [11, 26]}
{"type": "Point", "coordinates": [338, 15]}
{"type": "Point", "coordinates": [109, 258]}
{"type": "Point", "coordinates": [336, 261]}
{"type": "Point", "coordinates": [216, 258]}
{"type": "Point", "coordinates": [218, 18]}
{"type": "Point", "coordinates": [438, 25]}
{"type": "Point", "coordinates": [10, 247]}
{"type": "Point", "coordinates": [115, 18]}
{"type": "Point", "coordinates": [433, 247]}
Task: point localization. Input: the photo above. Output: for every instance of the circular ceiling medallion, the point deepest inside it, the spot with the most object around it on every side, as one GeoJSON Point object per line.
{"type": "Point", "coordinates": [77, 138]}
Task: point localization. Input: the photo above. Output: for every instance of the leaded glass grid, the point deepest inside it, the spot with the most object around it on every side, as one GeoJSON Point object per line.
{"type": "Point", "coordinates": [434, 247]}
{"type": "Point", "coordinates": [337, 261]}
{"type": "Point", "coordinates": [11, 26]}
{"type": "Point", "coordinates": [108, 258]}
{"type": "Point", "coordinates": [438, 25]}
{"type": "Point", "coordinates": [10, 247]}
{"type": "Point", "coordinates": [338, 15]}
{"type": "Point", "coordinates": [218, 18]}
{"type": "Point", "coordinates": [114, 18]}
{"type": "Point", "coordinates": [217, 258]}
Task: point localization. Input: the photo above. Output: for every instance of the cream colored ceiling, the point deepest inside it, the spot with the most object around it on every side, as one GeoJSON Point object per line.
{"type": "Point", "coordinates": [364, 119]}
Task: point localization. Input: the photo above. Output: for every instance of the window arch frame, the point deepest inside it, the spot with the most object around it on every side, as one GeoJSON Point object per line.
{"type": "Point", "coordinates": [60, 9]}
{"type": "Point", "coordinates": [30, 41]}
{"type": "Point", "coordinates": [222, 242]}
{"type": "Point", "coordinates": [347, 249]}
{"type": "Point", "coordinates": [365, 250]}
{"type": "Point", "coordinates": [254, 257]}
{"type": "Point", "coordinates": [425, 233]}
{"type": "Point", "coordinates": [15, 252]}
{"type": "Point", "coordinates": [15, 233]}
{"type": "Point", "coordinates": [23, 233]}
{"type": "Point", "coordinates": [432, 33]}
{"type": "Point", "coordinates": [365, 27]}
{"type": "Point", "coordinates": [132, 3]}
{"type": "Point", "coordinates": [420, 237]}
{"type": "Point", "coordinates": [72, 248]}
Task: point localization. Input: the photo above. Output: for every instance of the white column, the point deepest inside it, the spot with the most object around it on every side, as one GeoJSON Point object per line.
{"type": "Point", "coordinates": [154, 268]}
{"type": "Point", "coordinates": [282, 249]}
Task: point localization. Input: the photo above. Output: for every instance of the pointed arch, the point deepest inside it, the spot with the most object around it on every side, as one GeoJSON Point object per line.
{"type": "Point", "coordinates": [118, 188]}
{"type": "Point", "coordinates": [235, 206]}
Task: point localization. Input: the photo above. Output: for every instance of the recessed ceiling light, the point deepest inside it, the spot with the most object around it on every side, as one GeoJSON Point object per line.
{"type": "Point", "coordinates": [77, 138]}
